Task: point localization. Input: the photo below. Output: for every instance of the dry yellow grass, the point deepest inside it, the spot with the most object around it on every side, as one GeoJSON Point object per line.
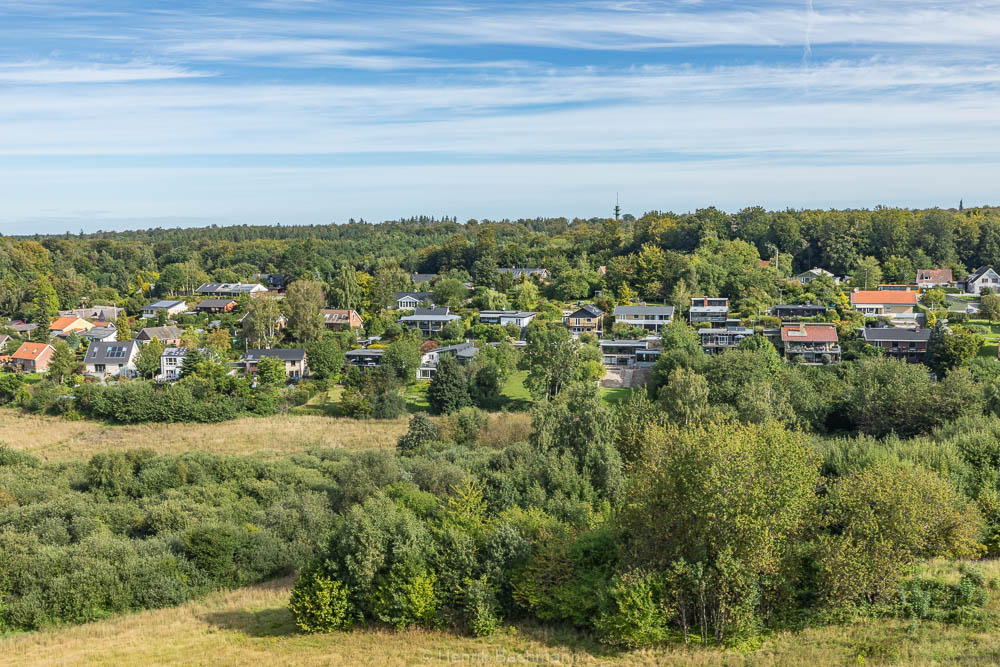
{"type": "Point", "coordinates": [55, 439]}
{"type": "Point", "coordinates": [253, 626]}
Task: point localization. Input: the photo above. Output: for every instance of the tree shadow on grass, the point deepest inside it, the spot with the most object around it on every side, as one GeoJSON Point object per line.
{"type": "Point", "coordinates": [276, 622]}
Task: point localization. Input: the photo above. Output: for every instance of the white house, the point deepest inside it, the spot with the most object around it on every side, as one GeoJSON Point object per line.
{"type": "Point", "coordinates": [650, 318]}
{"type": "Point", "coordinates": [521, 318]}
{"type": "Point", "coordinates": [463, 352]}
{"type": "Point", "coordinates": [171, 362]}
{"type": "Point", "coordinates": [231, 290]}
{"type": "Point", "coordinates": [807, 277]}
{"type": "Point", "coordinates": [983, 277]}
{"type": "Point", "coordinates": [113, 358]}
{"type": "Point", "coordinates": [170, 307]}
{"type": "Point", "coordinates": [413, 300]}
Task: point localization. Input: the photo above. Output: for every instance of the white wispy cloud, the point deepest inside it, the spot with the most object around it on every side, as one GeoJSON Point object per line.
{"type": "Point", "coordinates": [45, 72]}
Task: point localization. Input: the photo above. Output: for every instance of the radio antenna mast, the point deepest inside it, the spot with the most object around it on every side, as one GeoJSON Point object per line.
{"type": "Point", "coordinates": [618, 209]}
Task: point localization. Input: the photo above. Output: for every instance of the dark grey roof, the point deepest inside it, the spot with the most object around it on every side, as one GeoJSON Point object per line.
{"type": "Point", "coordinates": [215, 303]}
{"type": "Point", "coordinates": [589, 309]}
{"type": "Point", "coordinates": [465, 350]}
{"type": "Point", "coordinates": [112, 352]}
{"type": "Point", "coordinates": [174, 352]}
{"type": "Point", "coordinates": [419, 296]}
{"type": "Point", "coordinates": [294, 354]}
{"type": "Point", "coordinates": [365, 352]}
{"type": "Point", "coordinates": [99, 332]}
{"type": "Point", "coordinates": [978, 273]}
{"type": "Point", "coordinates": [644, 310]}
{"type": "Point", "coordinates": [423, 277]}
{"type": "Point", "coordinates": [23, 327]}
{"type": "Point", "coordinates": [624, 343]}
{"type": "Point", "coordinates": [430, 315]}
{"type": "Point", "coordinates": [895, 333]}
{"type": "Point", "coordinates": [507, 313]}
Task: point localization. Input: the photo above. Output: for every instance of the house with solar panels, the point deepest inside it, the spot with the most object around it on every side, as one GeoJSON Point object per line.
{"type": "Point", "coordinates": [111, 358]}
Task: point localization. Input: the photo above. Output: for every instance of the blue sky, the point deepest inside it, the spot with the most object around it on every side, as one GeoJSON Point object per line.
{"type": "Point", "coordinates": [123, 115]}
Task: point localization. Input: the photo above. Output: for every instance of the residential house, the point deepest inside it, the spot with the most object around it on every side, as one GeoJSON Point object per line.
{"type": "Point", "coordinates": [113, 358]}
{"type": "Point", "coordinates": [521, 318]}
{"type": "Point", "coordinates": [32, 357]}
{"type": "Point", "coordinates": [340, 320]}
{"type": "Point", "coordinates": [421, 278]}
{"type": "Point", "coordinates": [810, 343]}
{"type": "Point", "coordinates": [22, 328]}
{"type": "Point", "coordinates": [169, 336]}
{"type": "Point", "coordinates": [171, 363]}
{"type": "Point", "coordinates": [463, 352]}
{"type": "Point", "coordinates": [365, 358]}
{"type": "Point", "coordinates": [428, 321]}
{"type": "Point", "coordinates": [216, 306]}
{"type": "Point", "coordinates": [898, 287]}
{"type": "Point", "coordinates": [713, 311]}
{"type": "Point", "coordinates": [927, 278]}
{"type": "Point", "coordinates": [4, 339]}
{"type": "Point", "coordinates": [63, 326]}
{"type": "Point", "coordinates": [903, 344]}
{"type": "Point", "coordinates": [101, 334]}
{"type": "Point", "coordinates": [518, 273]}
{"type": "Point", "coordinates": [167, 306]}
{"type": "Point", "coordinates": [296, 363]}
{"type": "Point", "coordinates": [230, 290]}
{"type": "Point", "coordinates": [588, 318]}
{"type": "Point", "coordinates": [650, 318]}
{"type": "Point", "coordinates": [413, 300]}
{"type": "Point", "coordinates": [629, 353]}
{"type": "Point", "coordinates": [982, 278]}
{"type": "Point", "coordinates": [274, 282]}
{"type": "Point", "coordinates": [807, 277]}
{"type": "Point", "coordinates": [798, 311]}
{"type": "Point", "coordinates": [99, 313]}
{"type": "Point", "coordinates": [897, 304]}
{"type": "Point", "coordinates": [717, 340]}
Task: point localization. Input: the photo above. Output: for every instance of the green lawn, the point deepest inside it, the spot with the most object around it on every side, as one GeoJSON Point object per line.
{"type": "Point", "coordinates": [514, 390]}
{"type": "Point", "coordinates": [614, 395]}
{"type": "Point", "coordinates": [416, 397]}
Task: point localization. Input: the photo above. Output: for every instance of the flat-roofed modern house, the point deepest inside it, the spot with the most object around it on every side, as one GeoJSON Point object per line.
{"type": "Point", "coordinates": [171, 363]}
{"type": "Point", "coordinates": [216, 306]}
{"type": "Point", "coordinates": [32, 357]}
{"type": "Point", "coordinates": [798, 311]}
{"type": "Point", "coordinates": [340, 319]}
{"type": "Point", "coordinates": [365, 358]}
{"type": "Point", "coordinates": [167, 306]}
{"type": "Point", "coordinates": [169, 336]}
{"type": "Point", "coordinates": [428, 321]}
{"type": "Point", "coordinates": [588, 318]}
{"type": "Point", "coordinates": [927, 278]}
{"type": "Point", "coordinates": [231, 290]}
{"type": "Point", "coordinates": [650, 318]}
{"type": "Point", "coordinates": [521, 318]}
{"type": "Point", "coordinates": [413, 300]}
{"type": "Point", "coordinates": [296, 363]}
{"type": "Point", "coordinates": [810, 343]}
{"type": "Point", "coordinates": [903, 344]}
{"type": "Point", "coordinates": [112, 358]}
{"type": "Point", "coordinates": [463, 352]}
{"type": "Point", "coordinates": [715, 341]}
{"type": "Point", "coordinates": [897, 304]}
{"type": "Point", "coordinates": [982, 278]}
{"type": "Point", "coordinates": [713, 311]}
{"type": "Point", "coordinates": [628, 353]}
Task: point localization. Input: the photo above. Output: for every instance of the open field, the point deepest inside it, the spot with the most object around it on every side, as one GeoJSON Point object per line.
{"type": "Point", "coordinates": [252, 626]}
{"type": "Point", "coordinates": [56, 439]}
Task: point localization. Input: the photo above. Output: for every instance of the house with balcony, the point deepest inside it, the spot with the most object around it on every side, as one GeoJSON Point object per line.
{"type": "Point", "coordinates": [710, 311]}
{"type": "Point", "coordinates": [365, 358]}
{"type": "Point", "coordinates": [588, 318]}
{"type": "Point", "coordinates": [521, 318]}
{"type": "Point", "coordinates": [296, 363]}
{"type": "Point", "coordinates": [629, 353]}
{"type": "Point", "coordinates": [111, 358]}
{"type": "Point", "coordinates": [797, 311]}
{"type": "Point", "coordinates": [463, 353]}
{"type": "Point", "coordinates": [895, 304]}
{"type": "Point", "coordinates": [650, 318]}
{"type": "Point", "coordinates": [718, 340]}
{"type": "Point", "coordinates": [810, 343]}
{"type": "Point", "coordinates": [898, 342]}
{"type": "Point", "coordinates": [429, 321]}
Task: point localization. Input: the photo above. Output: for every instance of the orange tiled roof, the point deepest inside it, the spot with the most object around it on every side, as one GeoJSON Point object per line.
{"type": "Point", "coordinates": [29, 351]}
{"type": "Point", "coordinates": [893, 297]}
{"type": "Point", "coordinates": [813, 334]}
{"type": "Point", "coordinates": [61, 323]}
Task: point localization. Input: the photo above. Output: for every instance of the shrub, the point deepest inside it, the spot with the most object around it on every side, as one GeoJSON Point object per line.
{"type": "Point", "coordinates": [633, 612]}
{"type": "Point", "coordinates": [320, 604]}
{"type": "Point", "coordinates": [479, 607]}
